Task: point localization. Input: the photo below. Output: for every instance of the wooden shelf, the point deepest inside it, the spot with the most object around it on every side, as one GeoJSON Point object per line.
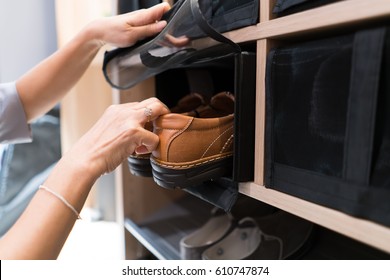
{"type": "Point", "coordinates": [364, 231]}
{"type": "Point", "coordinates": [336, 15]}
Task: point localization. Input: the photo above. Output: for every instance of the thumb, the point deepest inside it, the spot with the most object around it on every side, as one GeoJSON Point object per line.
{"type": "Point", "coordinates": [149, 143]}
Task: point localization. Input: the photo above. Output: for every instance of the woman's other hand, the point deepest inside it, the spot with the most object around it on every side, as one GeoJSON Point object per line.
{"type": "Point", "coordinates": [117, 134]}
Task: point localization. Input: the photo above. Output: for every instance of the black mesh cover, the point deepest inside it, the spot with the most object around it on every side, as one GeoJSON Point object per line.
{"type": "Point", "coordinates": [328, 129]}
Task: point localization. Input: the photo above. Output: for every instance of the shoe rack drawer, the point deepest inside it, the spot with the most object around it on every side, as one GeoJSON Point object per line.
{"type": "Point", "coordinates": [236, 74]}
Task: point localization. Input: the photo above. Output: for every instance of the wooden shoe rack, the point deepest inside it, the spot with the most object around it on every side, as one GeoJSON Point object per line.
{"type": "Point", "coordinates": [140, 201]}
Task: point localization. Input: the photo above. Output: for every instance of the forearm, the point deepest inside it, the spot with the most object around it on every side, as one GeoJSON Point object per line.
{"type": "Point", "coordinates": [43, 228]}
{"type": "Point", "coordinates": [43, 87]}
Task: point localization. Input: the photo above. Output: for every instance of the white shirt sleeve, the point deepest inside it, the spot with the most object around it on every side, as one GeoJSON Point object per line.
{"type": "Point", "coordinates": [13, 122]}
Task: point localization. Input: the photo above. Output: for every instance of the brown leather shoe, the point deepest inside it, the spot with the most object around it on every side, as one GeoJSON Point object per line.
{"type": "Point", "coordinates": [139, 164]}
{"type": "Point", "coordinates": [193, 104]}
{"type": "Point", "coordinates": [191, 150]}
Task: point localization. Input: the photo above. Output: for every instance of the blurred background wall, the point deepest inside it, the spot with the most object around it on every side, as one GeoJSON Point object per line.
{"type": "Point", "coordinates": [28, 35]}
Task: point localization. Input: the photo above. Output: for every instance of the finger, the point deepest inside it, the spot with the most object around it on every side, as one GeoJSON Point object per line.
{"type": "Point", "coordinates": [149, 142]}
{"type": "Point", "coordinates": [177, 41]}
{"type": "Point", "coordinates": [149, 29]}
{"type": "Point", "coordinates": [153, 101]}
{"type": "Point", "coordinates": [152, 109]}
{"type": "Point", "coordinates": [148, 16]}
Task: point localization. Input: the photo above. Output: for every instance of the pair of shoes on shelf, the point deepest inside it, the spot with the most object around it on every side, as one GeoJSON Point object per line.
{"type": "Point", "coordinates": [267, 234]}
{"type": "Point", "coordinates": [195, 146]}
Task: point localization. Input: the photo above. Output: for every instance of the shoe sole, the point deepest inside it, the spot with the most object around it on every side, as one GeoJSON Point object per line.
{"type": "Point", "coordinates": [140, 166]}
{"type": "Point", "coordinates": [179, 177]}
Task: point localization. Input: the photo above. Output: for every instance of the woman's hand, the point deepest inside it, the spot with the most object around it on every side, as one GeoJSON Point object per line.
{"type": "Point", "coordinates": [125, 30]}
{"type": "Point", "coordinates": [117, 134]}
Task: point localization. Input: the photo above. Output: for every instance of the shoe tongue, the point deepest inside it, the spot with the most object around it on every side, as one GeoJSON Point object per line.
{"type": "Point", "coordinates": [223, 102]}
{"type": "Point", "coordinates": [221, 105]}
{"type": "Point", "coordinates": [188, 103]}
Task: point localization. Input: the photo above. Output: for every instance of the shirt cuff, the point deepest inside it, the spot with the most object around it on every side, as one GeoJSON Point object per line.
{"type": "Point", "coordinates": [13, 122]}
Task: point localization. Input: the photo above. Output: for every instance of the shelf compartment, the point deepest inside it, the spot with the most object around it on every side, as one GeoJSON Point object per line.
{"type": "Point", "coordinates": [162, 231]}
{"type": "Point", "coordinates": [237, 74]}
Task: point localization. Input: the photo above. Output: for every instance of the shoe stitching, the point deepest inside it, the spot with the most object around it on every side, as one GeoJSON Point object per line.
{"type": "Point", "coordinates": [190, 165]}
{"type": "Point", "coordinates": [174, 136]}
{"type": "Point", "coordinates": [227, 143]}
{"type": "Point", "coordinates": [179, 132]}
{"type": "Point", "coordinates": [212, 143]}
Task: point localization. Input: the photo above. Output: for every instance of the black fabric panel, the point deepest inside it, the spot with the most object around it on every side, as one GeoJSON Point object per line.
{"type": "Point", "coordinates": [207, 29]}
{"type": "Point", "coordinates": [366, 66]}
{"type": "Point", "coordinates": [308, 89]}
{"type": "Point", "coordinates": [229, 15]}
{"type": "Point", "coordinates": [357, 200]}
{"type": "Point", "coordinates": [381, 154]}
{"type": "Point", "coordinates": [327, 123]}
{"type": "Point", "coordinates": [286, 7]}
